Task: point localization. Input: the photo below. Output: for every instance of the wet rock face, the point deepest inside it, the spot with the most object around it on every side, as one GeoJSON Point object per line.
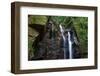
{"type": "Point", "coordinates": [51, 45]}
{"type": "Point", "coordinates": [49, 49]}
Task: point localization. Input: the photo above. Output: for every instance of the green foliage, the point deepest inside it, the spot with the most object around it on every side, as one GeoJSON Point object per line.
{"type": "Point", "coordinates": [81, 25]}
{"type": "Point", "coordinates": [58, 19]}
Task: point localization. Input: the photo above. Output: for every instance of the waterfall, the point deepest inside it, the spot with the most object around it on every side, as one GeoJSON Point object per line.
{"type": "Point", "coordinates": [70, 45]}
{"type": "Point", "coordinates": [64, 40]}
{"type": "Point", "coordinates": [64, 43]}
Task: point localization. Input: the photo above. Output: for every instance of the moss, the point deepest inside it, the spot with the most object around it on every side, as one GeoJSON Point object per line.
{"type": "Point", "coordinates": [37, 20]}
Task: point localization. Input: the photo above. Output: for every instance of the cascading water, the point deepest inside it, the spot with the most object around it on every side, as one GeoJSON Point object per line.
{"type": "Point", "coordinates": [64, 41]}
{"type": "Point", "coordinates": [70, 45]}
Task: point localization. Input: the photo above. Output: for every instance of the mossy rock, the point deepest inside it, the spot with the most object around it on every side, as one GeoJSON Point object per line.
{"type": "Point", "coordinates": [35, 19]}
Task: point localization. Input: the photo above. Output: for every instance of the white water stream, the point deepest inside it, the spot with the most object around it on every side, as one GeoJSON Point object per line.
{"type": "Point", "coordinates": [62, 33]}
{"type": "Point", "coordinates": [69, 43]}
